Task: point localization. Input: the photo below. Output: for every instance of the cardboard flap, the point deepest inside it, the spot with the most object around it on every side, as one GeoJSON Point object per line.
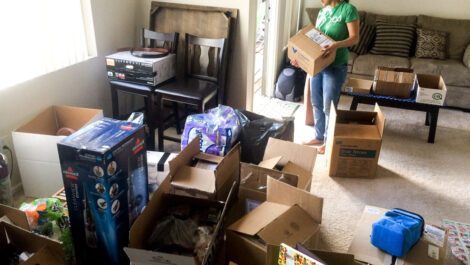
{"type": "Point", "coordinates": [303, 175]}
{"type": "Point", "coordinates": [290, 152]}
{"type": "Point", "coordinates": [45, 256]}
{"type": "Point", "coordinates": [185, 156]}
{"type": "Point", "coordinates": [194, 178]}
{"type": "Point", "coordinates": [43, 123]}
{"type": "Point", "coordinates": [290, 196]}
{"type": "Point", "coordinates": [229, 167]}
{"type": "Point", "coordinates": [293, 226]}
{"type": "Point", "coordinates": [16, 216]}
{"type": "Point", "coordinates": [255, 177]}
{"type": "Point", "coordinates": [259, 218]}
{"type": "Point", "coordinates": [209, 158]}
{"type": "Point", "coordinates": [74, 117]}
{"type": "Point", "coordinates": [380, 119]}
{"type": "Point", "coordinates": [270, 163]}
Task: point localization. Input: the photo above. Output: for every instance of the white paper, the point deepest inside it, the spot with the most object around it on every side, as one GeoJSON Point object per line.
{"type": "Point", "coordinates": [318, 38]}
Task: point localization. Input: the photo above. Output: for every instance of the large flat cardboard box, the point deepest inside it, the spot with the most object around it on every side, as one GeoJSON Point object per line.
{"type": "Point", "coordinates": [395, 82]}
{"type": "Point", "coordinates": [200, 175]}
{"type": "Point", "coordinates": [354, 142]}
{"type": "Point", "coordinates": [431, 89]}
{"type": "Point", "coordinates": [300, 255]}
{"type": "Point", "coordinates": [14, 216]}
{"type": "Point", "coordinates": [139, 251]}
{"type": "Point", "coordinates": [359, 86]}
{"type": "Point", "coordinates": [306, 47]}
{"type": "Point", "coordinates": [289, 215]}
{"type": "Point", "coordinates": [365, 252]}
{"type": "Point", "coordinates": [36, 147]}
{"type": "Point", "coordinates": [46, 250]}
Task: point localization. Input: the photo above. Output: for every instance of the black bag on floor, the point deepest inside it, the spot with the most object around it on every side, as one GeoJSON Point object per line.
{"type": "Point", "coordinates": [290, 84]}
{"type": "Point", "coordinates": [256, 130]}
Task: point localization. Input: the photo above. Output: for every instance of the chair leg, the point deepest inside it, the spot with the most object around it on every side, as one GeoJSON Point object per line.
{"type": "Point", "coordinates": [160, 122]}
{"type": "Point", "coordinates": [177, 118]}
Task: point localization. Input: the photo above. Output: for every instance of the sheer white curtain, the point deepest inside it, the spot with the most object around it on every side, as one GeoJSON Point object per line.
{"type": "Point", "coordinates": [41, 36]}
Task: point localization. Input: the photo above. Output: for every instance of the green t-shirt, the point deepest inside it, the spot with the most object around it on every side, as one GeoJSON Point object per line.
{"type": "Point", "coordinates": [332, 22]}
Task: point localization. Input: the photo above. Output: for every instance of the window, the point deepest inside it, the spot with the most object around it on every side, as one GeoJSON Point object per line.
{"type": "Point", "coordinates": [41, 36]}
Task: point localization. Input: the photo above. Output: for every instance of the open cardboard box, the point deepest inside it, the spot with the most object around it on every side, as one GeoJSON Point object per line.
{"type": "Point", "coordinates": [286, 155]}
{"type": "Point", "coordinates": [197, 174]}
{"type": "Point", "coordinates": [289, 215]}
{"type": "Point", "coordinates": [14, 216]}
{"type": "Point", "coordinates": [306, 47]}
{"type": "Point", "coordinates": [36, 146]}
{"type": "Point", "coordinates": [354, 142]}
{"type": "Point", "coordinates": [431, 89]}
{"type": "Point", "coordinates": [365, 252]}
{"type": "Point", "coordinates": [359, 86]}
{"type": "Point", "coordinates": [46, 251]}
{"type": "Point", "coordinates": [299, 253]}
{"type": "Point", "coordinates": [144, 225]}
{"type": "Point", "coordinates": [395, 82]}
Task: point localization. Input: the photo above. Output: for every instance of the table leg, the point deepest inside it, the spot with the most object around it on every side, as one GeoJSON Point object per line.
{"type": "Point", "coordinates": [354, 104]}
{"type": "Point", "coordinates": [114, 102]}
{"type": "Point", "coordinates": [428, 114]}
{"type": "Point", "coordinates": [160, 121]}
{"type": "Point", "coordinates": [151, 120]}
{"type": "Point", "coordinates": [434, 114]}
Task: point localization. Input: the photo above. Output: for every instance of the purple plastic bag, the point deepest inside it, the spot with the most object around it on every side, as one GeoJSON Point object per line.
{"type": "Point", "coordinates": [218, 130]}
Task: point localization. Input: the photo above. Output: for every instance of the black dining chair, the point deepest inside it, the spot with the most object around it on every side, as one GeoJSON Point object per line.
{"type": "Point", "coordinates": [203, 81]}
{"type": "Point", "coordinates": [150, 39]}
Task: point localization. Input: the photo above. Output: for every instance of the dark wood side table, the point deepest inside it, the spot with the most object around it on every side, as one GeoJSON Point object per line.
{"type": "Point", "coordinates": [432, 111]}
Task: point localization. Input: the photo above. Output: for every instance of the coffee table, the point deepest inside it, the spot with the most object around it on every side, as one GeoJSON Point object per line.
{"type": "Point", "coordinates": [432, 111]}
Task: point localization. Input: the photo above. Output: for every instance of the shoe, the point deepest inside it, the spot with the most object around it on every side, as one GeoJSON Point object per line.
{"type": "Point", "coordinates": [313, 142]}
{"type": "Point", "coordinates": [321, 149]}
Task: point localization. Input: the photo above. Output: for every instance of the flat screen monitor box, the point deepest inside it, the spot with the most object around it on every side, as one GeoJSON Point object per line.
{"type": "Point", "coordinates": [425, 252]}
{"type": "Point", "coordinates": [306, 47]}
{"type": "Point", "coordinates": [289, 215]}
{"type": "Point", "coordinates": [35, 145]}
{"type": "Point", "coordinates": [354, 142]}
{"type": "Point", "coordinates": [104, 169]}
{"type": "Point", "coordinates": [395, 82]}
{"type": "Point", "coordinates": [431, 89]}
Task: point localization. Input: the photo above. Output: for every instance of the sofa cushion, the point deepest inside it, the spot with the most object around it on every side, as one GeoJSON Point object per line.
{"type": "Point", "coordinates": [371, 19]}
{"type": "Point", "coordinates": [458, 29]}
{"type": "Point", "coordinates": [466, 57]}
{"type": "Point", "coordinates": [453, 72]}
{"type": "Point", "coordinates": [431, 44]}
{"type": "Point", "coordinates": [367, 63]}
{"type": "Point", "coordinates": [366, 37]}
{"type": "Point", "coordinates": [393, 39]}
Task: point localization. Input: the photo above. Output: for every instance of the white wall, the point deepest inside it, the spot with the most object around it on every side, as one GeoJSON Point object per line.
{"type": "Point", "coordinates": [83, 84]}
{"type": "Point", "coordinates": [458, 9]}
{"type": "Point", "coordinates": [241, 64]}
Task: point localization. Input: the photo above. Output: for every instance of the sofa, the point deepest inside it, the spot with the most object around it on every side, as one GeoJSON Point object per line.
{"type": "Point", "coordinates": [455, 68]}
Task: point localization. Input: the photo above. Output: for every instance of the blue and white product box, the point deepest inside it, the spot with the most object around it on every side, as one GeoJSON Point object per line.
{"type": "Point", "coordinates": [104, 169]}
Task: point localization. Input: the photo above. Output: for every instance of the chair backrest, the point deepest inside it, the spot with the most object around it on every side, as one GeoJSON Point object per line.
{"type": "Point", "coordinates": [206, 59]}
{"type": "Point", "coordinates": [153, 39]}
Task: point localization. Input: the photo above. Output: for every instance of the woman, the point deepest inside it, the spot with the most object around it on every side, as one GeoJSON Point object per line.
{"type": "Point", "coordinates": [339, 20]}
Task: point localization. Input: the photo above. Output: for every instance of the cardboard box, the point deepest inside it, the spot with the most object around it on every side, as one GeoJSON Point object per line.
{"type": "Point", "coordinates": [157, 208]}
{"type": "Point", "coordinates": [202, 175]}
{"type": "Point", "coordinates": [300, 255]}
{"type": "Point", "coordinates": [364, 251]}
{"type": "Point", "coordinates": [354, 142]}
{"type": "Point", "coordinates": [14, 216]}
{"type": "Point", "coordinates": [359, 86]}
{"type": "Point", "coordinates": [306, 47]}
{"type": "Point", "coordinates": [36, 147]}
{"type": "Point", "coordinates": [289, 215]}
{"type": "Point", "coordinates": [395, 82]}
{"type": "Point", "coordinates": [285, 155]}
{"type": "Point", "coordinates": [104, 167]}
{"type": "Point", "coordinates": [46, 250]}
{"type": "Point", "coordinates": [431, 89]}
{"type": "Point", "coordinates": [158, 168]}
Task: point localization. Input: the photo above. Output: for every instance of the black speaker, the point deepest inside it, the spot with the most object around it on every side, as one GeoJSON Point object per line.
{"type": "Point", "coordinates": [290, 84]}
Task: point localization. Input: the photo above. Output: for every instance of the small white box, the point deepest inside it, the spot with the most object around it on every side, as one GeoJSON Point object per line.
{"type": "Point", "coordinates": [35, 146]}
{"type": "Point", "coordinates": [431, 89]}
{"type": "Point", "coordinates": [158, 168]}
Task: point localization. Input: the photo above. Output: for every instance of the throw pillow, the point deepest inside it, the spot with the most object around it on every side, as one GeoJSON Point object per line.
{"type": "Point", "coordinates": [431, 44]}
{"type": "Point", "coordinates": [366, 36]}
{"type": "Point", "coordinates": [466, 57]}
{"type": "Point", "coordinates": [393, 39]}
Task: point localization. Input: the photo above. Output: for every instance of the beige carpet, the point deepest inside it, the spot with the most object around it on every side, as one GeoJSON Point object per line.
{"type": "Point", "coordinates": [430, 179]}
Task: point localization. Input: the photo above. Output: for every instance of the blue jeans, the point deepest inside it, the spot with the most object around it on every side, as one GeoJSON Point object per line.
{"type": "Point", "coordinates": [324, 88]}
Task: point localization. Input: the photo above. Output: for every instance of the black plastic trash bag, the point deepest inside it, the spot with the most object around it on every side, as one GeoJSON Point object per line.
{"type": "Point", "coordinates": [256, 130]}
